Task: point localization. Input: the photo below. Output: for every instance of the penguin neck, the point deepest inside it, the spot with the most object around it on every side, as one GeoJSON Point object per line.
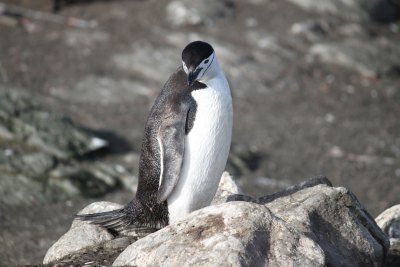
{"type": "Point", "coordinates": [213, 73]}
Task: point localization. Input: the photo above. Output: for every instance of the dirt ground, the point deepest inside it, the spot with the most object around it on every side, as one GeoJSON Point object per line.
{"type": "Point", "coordinates": [307, 119]}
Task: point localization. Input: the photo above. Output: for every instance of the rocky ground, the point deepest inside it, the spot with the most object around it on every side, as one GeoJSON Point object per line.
{"type": "Point", "coordinates": [316, 91]}
{"type": "Point", "coordinates": [309, 224]}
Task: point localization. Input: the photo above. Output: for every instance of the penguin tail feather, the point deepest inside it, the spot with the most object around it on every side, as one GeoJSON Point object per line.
{"type": "Point", "coordinates": [118, 222]}
{"type": "Point", "coordinates": [114, 221]}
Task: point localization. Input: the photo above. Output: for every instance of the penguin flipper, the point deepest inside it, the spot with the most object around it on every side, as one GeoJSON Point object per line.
{"type": "Point", "coordinates": [171, 139]}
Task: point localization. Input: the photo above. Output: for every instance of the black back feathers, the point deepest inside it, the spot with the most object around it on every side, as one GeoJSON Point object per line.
{"type": "Point", "coordinates": [195, 52]}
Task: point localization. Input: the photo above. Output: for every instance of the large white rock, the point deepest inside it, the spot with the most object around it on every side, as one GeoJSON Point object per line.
{"type": "Point", "coordinates": [81, 234]}
{"type": "Point", "coordinates": [230, 234]}
{"type": "Point", "coordinates": [312, 224]}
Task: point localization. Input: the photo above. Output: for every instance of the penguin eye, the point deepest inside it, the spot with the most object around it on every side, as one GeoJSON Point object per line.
{"type": "Point", "coordinates": [206, 61]}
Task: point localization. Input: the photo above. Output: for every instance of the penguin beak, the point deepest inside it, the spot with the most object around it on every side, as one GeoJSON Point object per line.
{"type": "Point", "coordinates": [192, 76]}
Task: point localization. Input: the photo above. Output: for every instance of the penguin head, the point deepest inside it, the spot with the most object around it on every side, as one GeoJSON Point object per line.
{"type": "Point", "coordinates": [199, 62]}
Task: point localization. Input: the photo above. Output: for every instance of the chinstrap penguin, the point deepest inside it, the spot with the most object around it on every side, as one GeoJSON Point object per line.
{"type": "Point", "coordinates": [185, 147]}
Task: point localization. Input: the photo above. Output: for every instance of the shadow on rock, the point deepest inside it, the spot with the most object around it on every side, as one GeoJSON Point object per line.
{"type": "Point", "coordinates": [116, 144]}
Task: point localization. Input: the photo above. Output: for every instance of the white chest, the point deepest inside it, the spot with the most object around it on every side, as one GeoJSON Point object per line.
{"type": "Point", "coordinates": [212, 128]}
{"type": "Point", "coordinates": [213, 114]}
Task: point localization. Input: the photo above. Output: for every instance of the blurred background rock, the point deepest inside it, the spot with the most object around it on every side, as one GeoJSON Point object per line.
{"type": "Point", "coordinates": [316, 87]}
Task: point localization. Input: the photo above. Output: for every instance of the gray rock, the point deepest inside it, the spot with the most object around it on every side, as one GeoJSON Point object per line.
{"type": "Point", "coordinates": [270, 43]}
{"type": "Point", "coordinates": [31, 126]}
{"type": "Point", "coordinates": [101, 254]}
{"type": "Point", "coordinates": [80, 38]}
{"type": "Point", "coordinates": [103, 90]}
{"type": "Point", "coordinates": [311, 30]}
{"type": "Point", "coordinates": [315, 226]}
{"type": "Point", "coordinates": [353, 30]}
{"type": "Point", "coordinates": [227, 187]}
{"type": "Point", "coordinates": [361, 55]}
{"type": "Point", "coordinates": [36, 177]}
{"type": "Point", "coordinates": [90, 180]}
{"type": "Point", "coordinates": [32, 164]}
{"type": "Point", "coordinates": [17, 158]}
{"type": "Point", "coordinates": [190, 13]}
{"type": "Point", "coordinates": [141, 62]}
{"type": "Point", "coordinates": [310, 224]}
{"type": "Point", "coordinates": [34, 146]}
{"type": "Point", "coordinates": [23, 176]}
{"type": "Point", "coordinates": [18, 190]}
{"type": "Point", "coordinates": [92, 237]}
{"type": "Point", "coordinates": [81, 234]}
{"type": "Point", "coordinates": [230, 234]}
{"type": "Point", "coordinates": [335, 219]}
{"type": "Point", "coordinates": [248, 72]}
{"type": "Point", "coordinates": [389, 222]}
